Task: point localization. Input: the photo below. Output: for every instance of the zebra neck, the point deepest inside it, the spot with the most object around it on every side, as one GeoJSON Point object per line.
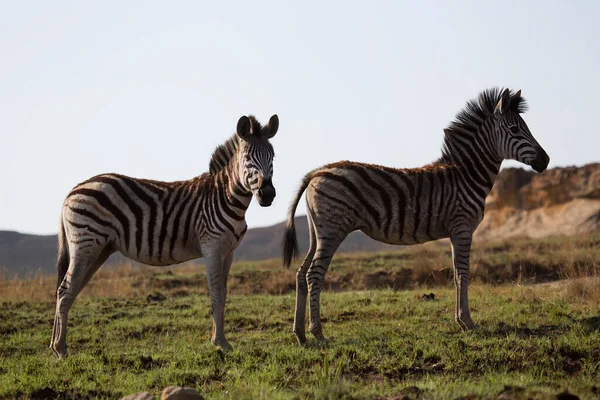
{"type": "Point", "coordinates": [476, 160]}
{"type": "Point", "coordinates": [235, 192]}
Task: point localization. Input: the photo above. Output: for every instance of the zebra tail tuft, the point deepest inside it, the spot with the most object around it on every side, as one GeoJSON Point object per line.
{"type": "Point", "coordinates": [290, 241]}
{"type": "Point", "coordinates": [62, 260]}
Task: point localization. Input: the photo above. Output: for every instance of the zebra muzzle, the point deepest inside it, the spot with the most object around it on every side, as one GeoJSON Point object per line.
{"type": "Point", "coordinates": [266, 194]}
{"type": "Point", "coordinates": [540, 163]}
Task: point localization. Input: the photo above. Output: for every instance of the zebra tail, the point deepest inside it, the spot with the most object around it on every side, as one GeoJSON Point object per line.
{"type": "Point", "coordinates": [62, 260]}
{"type": "Point", "coordinates": [290, 242]}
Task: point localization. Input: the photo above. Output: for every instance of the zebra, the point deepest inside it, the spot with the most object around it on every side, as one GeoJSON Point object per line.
{"type": "Point", "coordinates": [165, 223]}
{"type": "Point", "coordinates": [445, 199]}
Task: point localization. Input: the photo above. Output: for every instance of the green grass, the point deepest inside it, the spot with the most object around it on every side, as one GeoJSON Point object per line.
{"type": "Point", "coordinates": [381, 343]}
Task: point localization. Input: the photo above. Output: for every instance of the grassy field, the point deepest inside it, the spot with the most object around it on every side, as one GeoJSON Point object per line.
{"type": "Point", "coordinates": [537, 336]}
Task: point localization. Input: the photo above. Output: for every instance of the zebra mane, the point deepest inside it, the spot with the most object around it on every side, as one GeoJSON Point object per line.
{"type": "Point", "coordinates": [469, 119]}
{"type": "Point", "coordinates": [223, 153]}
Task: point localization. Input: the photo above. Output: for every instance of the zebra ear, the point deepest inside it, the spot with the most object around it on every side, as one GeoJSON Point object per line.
{"type": "Point", "coordinates": [244, 127]}
{"type": "Point", "coordinates": [502, 103]}
{"type": "Point", "coordinates": [269, 130]}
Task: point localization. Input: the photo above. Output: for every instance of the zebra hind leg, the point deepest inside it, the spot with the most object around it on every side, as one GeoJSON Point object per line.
{"type": "Point", "coordinates": [302, 286]}
{"type": "Point", "coordinates": [81, 269]}
{"type": "Point", "coordinates": [326, 248]}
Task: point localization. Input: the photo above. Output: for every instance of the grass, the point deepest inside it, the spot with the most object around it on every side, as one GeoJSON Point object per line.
{"type": "Point", "coordinates": [533, 341]}
{"type": "Point", "coordinates": [521, 261]}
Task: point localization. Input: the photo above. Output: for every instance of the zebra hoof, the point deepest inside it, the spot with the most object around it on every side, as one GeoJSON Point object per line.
{"type": "Point", "coordinates": [223, 345]}
{"type": "Point", "coordinates": [320, 338]}
{"type": "Point", "coordinates": [466, 323]}
{"type": "Point", "coordinates": [58, 352]}
{"type": "Point", "coordinates": [301, 338]}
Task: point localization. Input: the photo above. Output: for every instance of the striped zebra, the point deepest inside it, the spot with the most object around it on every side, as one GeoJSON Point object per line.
{"type": "Point", "coordinates": [409, 206]}
{"type": "Point", "coordinates": [165, 223]}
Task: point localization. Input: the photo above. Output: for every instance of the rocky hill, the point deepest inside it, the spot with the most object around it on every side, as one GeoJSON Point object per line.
{"type": "Point", "coordinates": [561, 201]}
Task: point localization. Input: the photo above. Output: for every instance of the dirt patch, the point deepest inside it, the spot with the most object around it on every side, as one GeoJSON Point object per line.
{"type": "Point", "coordinates": [591, 324]}
{"type": "Point", "coordinates": [571, 362]}
{"type": "Point", "coordinates": [345, 316]}
{"type": "Point", "coordinates": [428, 297]}
{"type": "Point", "coordinates": [7, 330]}
{"type": "Point", "coordinates": [45, 393]}
{"type": "Point", "coordinates": [157, 297]}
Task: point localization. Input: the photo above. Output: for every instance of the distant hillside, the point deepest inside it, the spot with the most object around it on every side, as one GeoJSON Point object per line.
{"type": "Point", "coordinates": [20, 253]}
{"type": "Point", "coordinates": [561, 201]}
{"type": "Point", "coordinates": [23, 253]}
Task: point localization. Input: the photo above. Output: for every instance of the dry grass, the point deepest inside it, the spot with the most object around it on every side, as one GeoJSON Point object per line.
{"type": "Point", "coordinates": [524, 261]}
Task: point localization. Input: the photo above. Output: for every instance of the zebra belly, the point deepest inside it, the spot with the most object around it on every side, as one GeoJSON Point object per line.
{"type": "Point", "coordinates": [404, 239]}
{"type": "Point", "coordinates": [165, 257]}
{"type": "Point", "coordinates": [408, 234]}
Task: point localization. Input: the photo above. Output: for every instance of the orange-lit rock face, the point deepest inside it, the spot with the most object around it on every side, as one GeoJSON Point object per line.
{"type": "Point", "coordinates": [561, 201]}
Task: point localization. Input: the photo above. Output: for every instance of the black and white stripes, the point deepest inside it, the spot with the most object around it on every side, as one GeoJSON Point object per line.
{"type": "Point", "coordinates": [164, 223]}
{"type": "Point", "coordinates": [410, 206]}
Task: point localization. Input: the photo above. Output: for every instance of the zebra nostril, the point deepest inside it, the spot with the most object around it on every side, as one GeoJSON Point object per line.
{"type": "Point", "coordinates": [267, 192]}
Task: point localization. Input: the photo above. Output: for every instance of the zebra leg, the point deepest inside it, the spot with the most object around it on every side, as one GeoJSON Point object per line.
{"type": "Point", "coordinates": [226, 267]}
{"type": "Point", "coordinates": [95, 266]}
{"type": "Point", "coordinates": [326, 248]}
{"type": "Point", "coordinates": [461, 251]}
{"type": "Point", "coordinates": [73, 282]}
{"type": "Point", "coordinates": [302, 286]}
{"type": "Point", "coordinates": [214, 273]}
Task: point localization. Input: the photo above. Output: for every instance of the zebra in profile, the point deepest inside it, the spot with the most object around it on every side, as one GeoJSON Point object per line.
{"type": "Point", "coordinates": [409, 206]}
{"type": "Point", "coordinates": [165, 223]}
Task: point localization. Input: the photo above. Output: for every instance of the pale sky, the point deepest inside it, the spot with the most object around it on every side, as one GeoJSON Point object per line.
{"type": "Point", "coordinates": [149, 89]}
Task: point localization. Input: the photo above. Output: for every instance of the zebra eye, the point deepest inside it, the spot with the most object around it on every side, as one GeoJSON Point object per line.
{"type": "Point", "coordinates": [516, 132]}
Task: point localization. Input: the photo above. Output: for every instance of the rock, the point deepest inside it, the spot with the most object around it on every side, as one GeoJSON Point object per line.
{"type": "Point", "coordinates": [139, 396]}
{"type": "Point", "coordinates": [560, 201]}
{"type": "Point", "coordinates": [566, 396]}
{"type": "Point", "coordinates": [180, 393]}
{"type": "Point", "coordinates": [527, 190]}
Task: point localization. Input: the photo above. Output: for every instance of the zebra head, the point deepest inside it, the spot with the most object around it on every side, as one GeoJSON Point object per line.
{"type": "Point", "coordinates": [515, 141]}
{"type": "Point", "coordinates": [256, 157]}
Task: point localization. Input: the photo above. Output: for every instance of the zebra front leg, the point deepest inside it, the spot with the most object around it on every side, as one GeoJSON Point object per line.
{"type": "Point", "coordinates": [461, 252]}
{"type": "Point", "coordinates": [226, 267]}
{"type": "Point", "coordinates": [214, 273]}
